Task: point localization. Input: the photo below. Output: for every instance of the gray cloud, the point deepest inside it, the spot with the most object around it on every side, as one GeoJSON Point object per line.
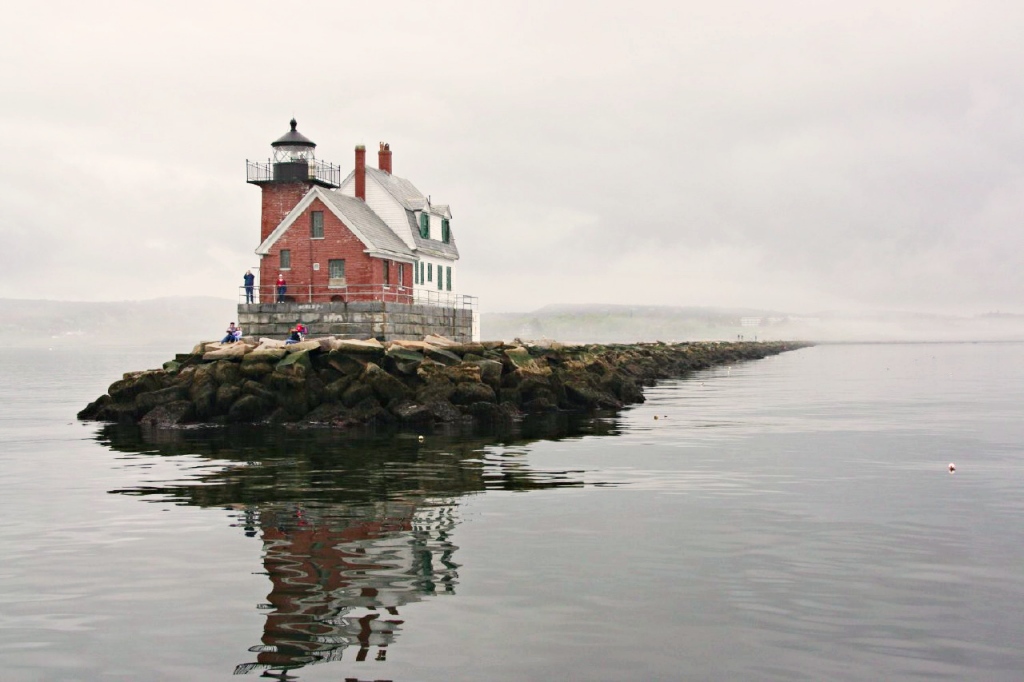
{"type": "Point", "coordinates": [787, 155]}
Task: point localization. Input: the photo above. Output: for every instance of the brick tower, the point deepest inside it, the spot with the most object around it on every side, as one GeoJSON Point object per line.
{"type": "Point", "coordinates": [287, 177]}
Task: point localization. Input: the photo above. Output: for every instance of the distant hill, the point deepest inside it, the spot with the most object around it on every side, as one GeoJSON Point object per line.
{"type": "Point", "coordinates": [183, 320]}
{"type": "Point", "coordinates": [628, 324]}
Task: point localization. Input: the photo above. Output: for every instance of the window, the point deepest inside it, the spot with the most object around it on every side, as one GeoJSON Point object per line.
{"type": "Point", "coordinates": [387, 272]}
{"type": "Point", "coordinates": [286, 259]}
{"type": "Point", "coordinates": [448, 278]}
{"type": "Point", "coordinates": [401, 274]}
{"type": "Point", "coordinates": [336, 272]}
{"type": "Point", "coordinates": [430, 272]}
{"type": "Point", "coordinates": [416, 272]}
{"type": "Point", "coordinates": [316, 225]}
{"type": "Point", "coordinates": [424, 225]}
{"type": "Point", "coordinates": [446, 231]}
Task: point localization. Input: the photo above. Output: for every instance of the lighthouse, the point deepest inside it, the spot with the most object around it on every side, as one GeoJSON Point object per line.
{"type": "Point", "coordinates": [364, 254]}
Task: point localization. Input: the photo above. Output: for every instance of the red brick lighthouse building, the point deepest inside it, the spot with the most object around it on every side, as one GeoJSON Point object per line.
{"type": "Point", "coordinates": [367, 237]}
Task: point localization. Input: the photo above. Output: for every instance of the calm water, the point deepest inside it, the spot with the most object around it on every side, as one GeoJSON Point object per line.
{"type": "Point", "coordinates": [787, 519]}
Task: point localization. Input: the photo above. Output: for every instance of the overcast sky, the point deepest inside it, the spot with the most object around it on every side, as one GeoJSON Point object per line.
{"type": "Point", "coordinates": [790, 155]}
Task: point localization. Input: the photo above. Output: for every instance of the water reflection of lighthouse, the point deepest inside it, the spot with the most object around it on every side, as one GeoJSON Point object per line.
{"type": "Point", "coordinates": [338, 583]}
{"type": "Point", "coordinates": [352, 529]}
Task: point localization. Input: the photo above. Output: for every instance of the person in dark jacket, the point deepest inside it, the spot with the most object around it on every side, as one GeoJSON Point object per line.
{"type": "Point", "coordinates": [249, 280]}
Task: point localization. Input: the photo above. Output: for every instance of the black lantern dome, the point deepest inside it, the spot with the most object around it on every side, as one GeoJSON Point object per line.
{"type": "Point", "coordinates": [294, 161]}
{"type": "Point", "coordinates": [293, 146]}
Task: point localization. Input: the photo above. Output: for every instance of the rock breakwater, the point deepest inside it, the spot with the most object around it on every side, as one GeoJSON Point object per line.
{"type": "Point", "coordinates": [342, 383]}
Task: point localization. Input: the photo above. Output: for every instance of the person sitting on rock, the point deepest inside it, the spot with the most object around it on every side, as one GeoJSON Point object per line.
{"type": "Point", "coordinates": [233, 334]}
{"type": "Point", "coordinates": [301, 328]}
{"type": "Point", "coordinates": [293, 337]}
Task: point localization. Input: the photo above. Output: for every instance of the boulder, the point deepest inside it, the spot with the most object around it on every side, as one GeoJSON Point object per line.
{"type": "Point", "coordinates": [418, 346]}
{"type": "Point", "coordinates": [248, 408]}
{"type": "Point", "coordinates": [355, 394]}
{"type": "Point", "coordinates": [168, 414]}
{"type": "Point", "coordinates": [484, 411]}
{"type": "Point", "coordinates": [268, 355]}
{"type": "Point", "coordinates": [226, 397]}
{"type": "Point", "coordinates": [255, 370]}
{"type": "Point", "coordinates": [371, 346]}
{"type": "Point", "coordinates": [349, 365]}
{"type": "Point", "coordinates": [336, 389]}
{"type": "Point", "coordinates": [539, 405]}
{"type": "Point", "coordinates": [302, 346]}
{"type": "Point", "coordinates": [464, 348]}
{"type": "Point", "coordinates": [333, 414]}
{"type": "Point", "coordinates": [402, 361]}
{"type": "Point", "coordinates": [93, 409]}
{"type": "Point", "coordinates": [222, 351]}
{"type": "Point", "coordinates": [385, 387]}
{"type": "Point", "coordinates": [444, 411]}
{"type": "Point", "coordinates": [490, 372]}
{"type": "Point", "coordinates": [409, 412]}
{"type": "Point", "coordinates": [283, 381]}
{"type": "Point", "coordinates": [293, 361]}
{"type": "Point", "coordinates": [435, 340]}
{"type": "Point", "coordinates": [147, 401]}
{"type": "Point", "coordinates": [204, 399]}
{"type": "Point", "coordinates": [442, 356]}
{"type": "Point", "coordinates": [369, 411]}
{"type": "Point", "coordinates": [227, 372]}
{"type": "Point", "coordinates": [524, 363]}
{"type": "Point", "coordinates": [133, 383]}
{"type": "Point", "coordinates": [259, 390]}
{"type": "Point", "coordinates": [468, 393]}
{"type": "Point", "coordinates": [582, 394]}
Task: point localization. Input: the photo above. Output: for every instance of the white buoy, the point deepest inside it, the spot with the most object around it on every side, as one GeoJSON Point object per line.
{"type": "Point", "coordinates": [421, 439]}
{"type": "Point", "coordinates": [952, 467]}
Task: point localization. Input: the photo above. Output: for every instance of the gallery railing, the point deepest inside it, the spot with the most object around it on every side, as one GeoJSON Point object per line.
{"type": "Point", "coordinates": [389, 293]}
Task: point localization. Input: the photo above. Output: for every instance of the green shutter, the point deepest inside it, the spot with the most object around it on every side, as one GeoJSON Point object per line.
{"type": "Point", "coordinates": [430, 272]}
{"type": "Point", "coordinates": [424, 225]}
{"type": "Point", "coordinates": [446, 231]}
{"type": "Point", "coordinates": [448, 278]}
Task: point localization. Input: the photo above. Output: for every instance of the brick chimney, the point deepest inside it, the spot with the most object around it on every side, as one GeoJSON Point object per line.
{"type": "Point", "coordinates": [384, 158]}
{"type": "Point", "coordinates": [361, 172]}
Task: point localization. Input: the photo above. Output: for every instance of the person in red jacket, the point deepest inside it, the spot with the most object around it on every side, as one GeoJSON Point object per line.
{"type": "Point", "coordinates": [282, 287]}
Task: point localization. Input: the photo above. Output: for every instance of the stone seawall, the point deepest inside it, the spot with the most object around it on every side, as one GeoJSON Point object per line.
{"type": "Point", "coordinates": [339, 382]}
{"type": "Point", "coordinates": [384, 321]}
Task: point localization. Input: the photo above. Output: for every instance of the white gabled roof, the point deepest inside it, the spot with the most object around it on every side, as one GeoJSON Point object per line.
{"type": "Point", "coordinates": [412, 201]}
{"type": "Point", "coordinates": [367, 226]}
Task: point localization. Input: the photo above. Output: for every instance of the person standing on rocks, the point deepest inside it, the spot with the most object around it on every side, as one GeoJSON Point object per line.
{"type": "Point", "coordinates": [249, 280]}
{"type": "Point", "coordinates": [282, 287]}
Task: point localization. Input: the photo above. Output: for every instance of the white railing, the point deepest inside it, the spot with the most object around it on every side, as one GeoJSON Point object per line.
{"type": "Point", "coordinates": [389, 293]}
